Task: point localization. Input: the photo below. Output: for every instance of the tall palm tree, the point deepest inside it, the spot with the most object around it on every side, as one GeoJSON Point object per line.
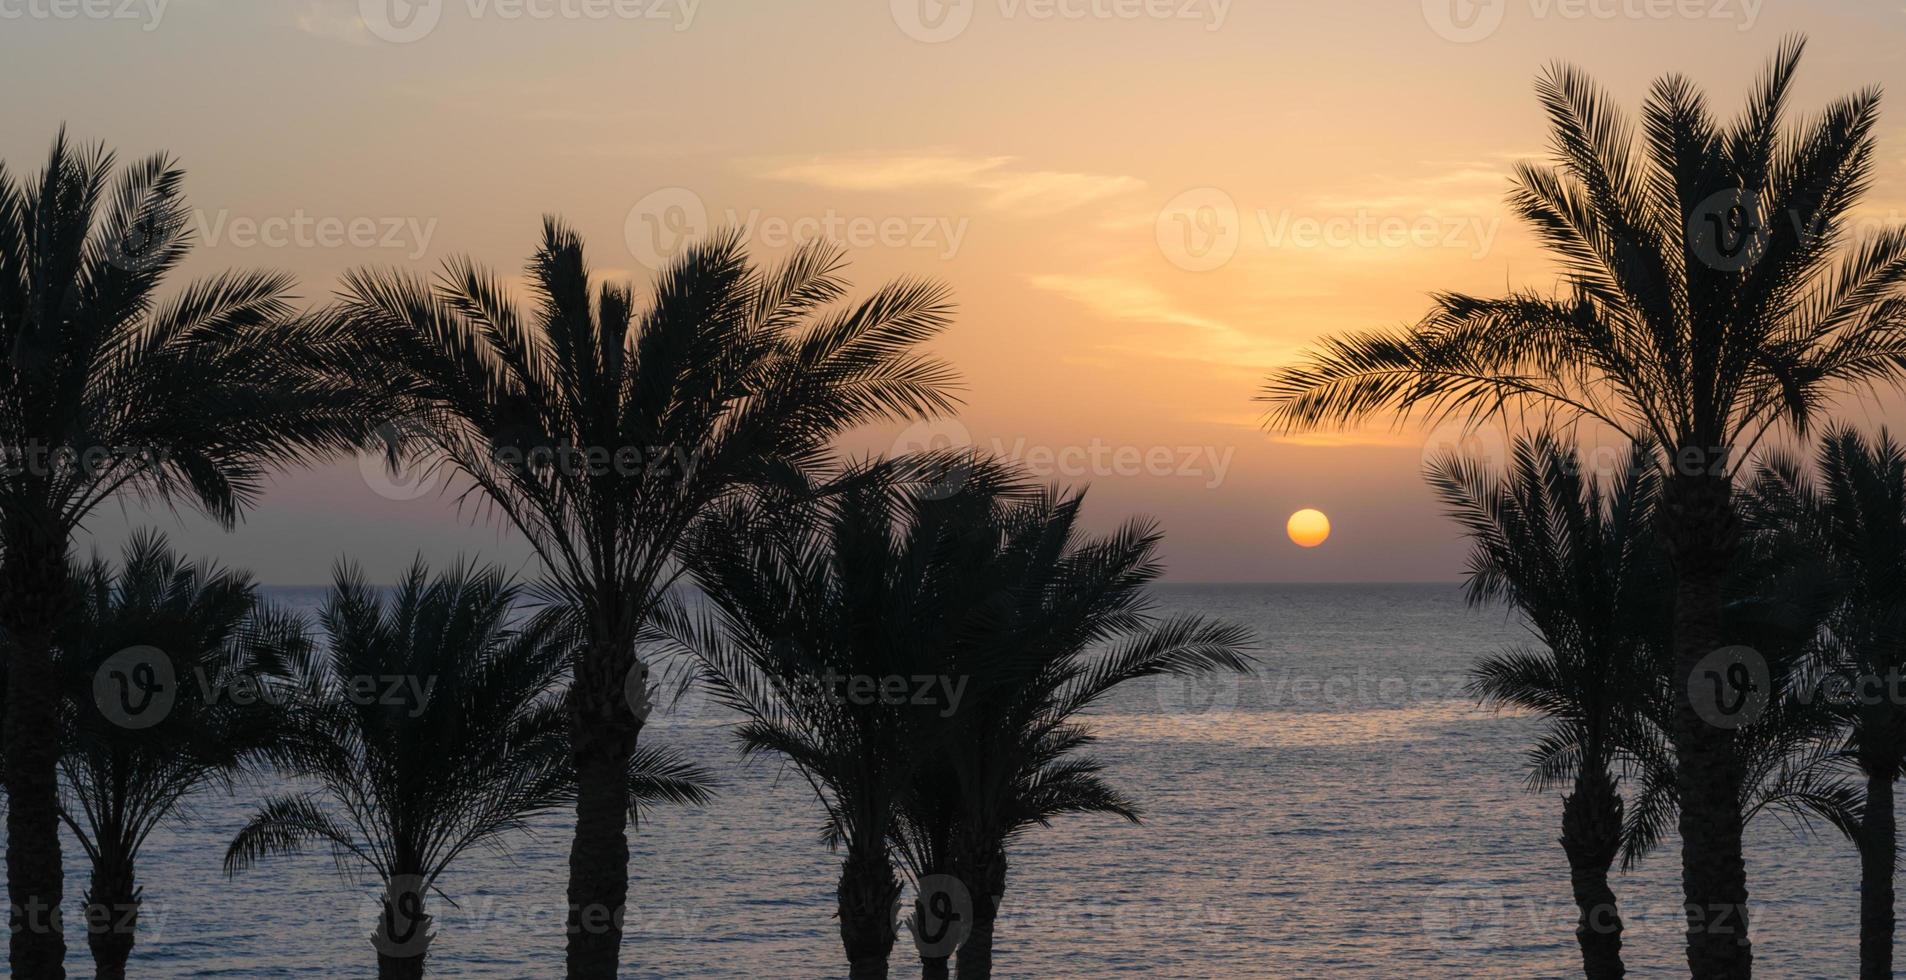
{"type": "Point", "coordinates": [1579, 558]}
{"type": "Point", "coordinates": [1067, 621]}
{"type": "Point", "coordinates": [471, 746]}
{"type": "Point", "coordinates": [124, 774]}
{"type": "Point", "coordinates": [601, 430]}
{"type": "Point", "coordinates": [1582, 560]}
{"type": "Point", "coordinates": [812, 609]}
{"type": "Point", "coordinates": [1855, 515]}
{"type": "Point", "coordinates": [1707, 298]}
{"type": "Point", "coordinates": [106, 389]}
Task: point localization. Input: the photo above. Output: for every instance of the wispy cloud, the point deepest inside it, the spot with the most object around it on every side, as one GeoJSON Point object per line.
{"type": "Point", "coordinates": [1124, 299]}
{"type": "Point", "coordinates": [1119, 298]}
{"type": "Point", "coordinates": [1002, 185]}
{"type": "Point", "coordinates": [1438, 187]}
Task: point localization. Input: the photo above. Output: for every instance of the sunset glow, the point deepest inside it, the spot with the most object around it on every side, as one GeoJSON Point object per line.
{"type": "Point", "coordinates": [1132, 243]}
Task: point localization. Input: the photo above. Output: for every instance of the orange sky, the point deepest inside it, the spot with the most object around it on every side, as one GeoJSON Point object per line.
{"type": "Point", "coordinates": [1142, 205]}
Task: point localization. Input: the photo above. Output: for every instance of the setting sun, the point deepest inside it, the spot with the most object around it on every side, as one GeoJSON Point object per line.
{"type": "Point", "coordinates": [1309, 528]}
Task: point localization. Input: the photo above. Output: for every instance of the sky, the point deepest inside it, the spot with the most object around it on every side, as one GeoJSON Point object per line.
{"type": "Point", "coordinates": [1141, 206]}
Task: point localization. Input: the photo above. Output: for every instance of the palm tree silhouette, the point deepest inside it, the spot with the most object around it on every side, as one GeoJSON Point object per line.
{"type": "Point", "coordinates": [812, 608]}
{"type": "Point", "coordinates": [469, 747]}
{"type": "Point", "coordinates": [898, 574]}
{"type": "Point", "coordinates": [1064, 622]}
{"type": "Point", "coordinates": [600, 431]}
{"type": "Point", "coordinates": [1579, 558]}
{"type": "Point", "coordinates": [108, 389]}
{"type": "Point", "coordinates": [1675, 336]}
{"type": "Point", "coordinates": [1582, 560]}
{"type": "Point", "coordinates": [1854, 514]}
{"type": "Point", "coordinates": [123, 776]}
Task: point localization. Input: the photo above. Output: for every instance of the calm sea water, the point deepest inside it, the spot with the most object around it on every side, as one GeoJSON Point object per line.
{"type": "Point", "coordinates": [1346, 812]}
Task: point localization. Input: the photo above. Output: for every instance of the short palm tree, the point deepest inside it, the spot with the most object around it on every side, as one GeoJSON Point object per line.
{"type": "Point", "coordinates": [1579, 558]}
{"type": "Point", "coordinates": [124, 775]}
{"type": "Point", "coordinates": [1854, 513]}
{"type": "Point", "coordinates": [1066, 621]}
{"type": "Point", "coordinates": [1707, 298]}
{"type": "Point", "coordinates": [108, 388]}
{"type": "Point", "coordinates": [814, 609]}
{"type": "Point", "coordinates": [601, 430]}
{"type": "Point", "coordinates": [431, 722]}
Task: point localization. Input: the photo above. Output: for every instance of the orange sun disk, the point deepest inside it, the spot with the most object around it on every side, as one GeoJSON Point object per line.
{"type": "Point", "coordinates": [1309, 528]}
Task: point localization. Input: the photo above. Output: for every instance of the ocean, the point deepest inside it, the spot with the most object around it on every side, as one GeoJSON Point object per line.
{"type": "Point", "coordinates": [1347, 811]}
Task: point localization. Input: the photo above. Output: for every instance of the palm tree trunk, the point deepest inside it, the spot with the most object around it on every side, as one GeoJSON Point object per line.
{"type": "Point", "coordinates": [603, 730]}
{"type": "Point", "coordinates": [403, 936]}
{"type": "Point", "coordinates": [112, 916]}
{"type": "Point", "coordinates": [32, 597]}
{"type": "Point", "coordinates": [1701, 532]}
{"type": "Point", "coordinates": [938, 965]}
{"type": "Point", "coordinates": [976, 953]}
{"type": "Point", "coordinates": [397, 967]}
{"type": "Point", "coordinates": [1591, 837]}
{"type": "Point", "coordinates": [1877, 855]}
{"type": "Point", "coordinates": [867, 899]}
